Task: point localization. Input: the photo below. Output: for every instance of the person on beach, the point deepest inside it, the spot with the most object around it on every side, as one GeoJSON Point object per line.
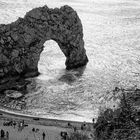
{"type": "Point", "coordinates": [14, 124]}
{"type": "Point", "coordinates": [93, 122]}
{"type": "Point", "coordinates": [33, 129]}
{"type": "Point", "coordinates": [7, 135]}
{"type": "Point", "coordinates": [64, 135]}
{"type": "Point", "coordinates": [70, 125]}
{"type": "Point", "coordinates": [2, 133]}
{"type": "Point", "coordinates": [43, 135]}
{"type": "Point", "coordinates": [74, 128]}
{"type": "Point", "coordinates": [37, 130]}
{"type": "Point", "coordinates": [21, 124]}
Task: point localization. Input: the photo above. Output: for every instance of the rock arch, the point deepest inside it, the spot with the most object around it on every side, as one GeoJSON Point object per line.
{"type": "Point", "coordinates": [21, 42]}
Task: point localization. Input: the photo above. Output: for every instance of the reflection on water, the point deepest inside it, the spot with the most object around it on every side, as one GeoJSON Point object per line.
{"type": "Point", "coordinates": [111, 34]}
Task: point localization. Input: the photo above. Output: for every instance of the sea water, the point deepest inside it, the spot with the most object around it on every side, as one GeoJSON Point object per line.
{"type": "Point", "coordinates": [112, 41]}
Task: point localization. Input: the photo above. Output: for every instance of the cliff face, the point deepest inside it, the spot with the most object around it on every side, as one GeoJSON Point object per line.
{"type": "Point", "coordinates": [21, 42]}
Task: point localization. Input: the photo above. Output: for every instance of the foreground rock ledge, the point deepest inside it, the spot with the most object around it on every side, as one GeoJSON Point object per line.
{"type": "Point", "coordinates": [21, 42]}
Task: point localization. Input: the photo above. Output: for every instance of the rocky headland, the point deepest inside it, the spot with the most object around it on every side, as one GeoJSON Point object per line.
{"type": "Point", "coordinates": [21, 42]}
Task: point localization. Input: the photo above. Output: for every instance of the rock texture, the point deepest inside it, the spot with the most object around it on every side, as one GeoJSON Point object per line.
{"type": "Point", "coordinates": [21, 42]}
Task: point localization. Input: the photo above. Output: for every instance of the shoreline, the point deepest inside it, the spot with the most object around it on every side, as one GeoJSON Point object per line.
{"type": "Point", "coordinates": [51, 127]}
{"type": "Point", "coordinates": [41, 120]}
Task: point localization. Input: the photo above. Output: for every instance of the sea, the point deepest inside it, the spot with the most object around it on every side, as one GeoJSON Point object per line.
{"type": "Point", "coordinates": [111, 31]}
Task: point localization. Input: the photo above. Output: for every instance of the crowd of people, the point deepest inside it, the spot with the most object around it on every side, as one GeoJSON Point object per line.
{"type": "Point", "coordinates": [20, 125]}
{"type": "Point", "coordinates": [41, 134]}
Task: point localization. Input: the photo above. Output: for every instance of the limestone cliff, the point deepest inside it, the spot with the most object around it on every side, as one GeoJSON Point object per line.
{"type": "Point", "coordinates": [21, 42]}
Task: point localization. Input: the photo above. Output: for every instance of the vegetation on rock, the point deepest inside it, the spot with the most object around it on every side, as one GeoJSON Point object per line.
{"type": "Point", "coordinates": [122, 123]}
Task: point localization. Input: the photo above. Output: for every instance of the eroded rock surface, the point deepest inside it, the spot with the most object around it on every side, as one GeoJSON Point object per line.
{"type": "Point", "coordinates": [21, 42]}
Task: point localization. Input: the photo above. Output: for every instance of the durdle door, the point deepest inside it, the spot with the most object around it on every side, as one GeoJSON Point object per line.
{"type": "Point", "coordinates": [21, 42]}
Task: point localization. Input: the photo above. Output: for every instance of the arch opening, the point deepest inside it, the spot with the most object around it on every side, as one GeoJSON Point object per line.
{"type": "Point", "coordinates": [51, 60]}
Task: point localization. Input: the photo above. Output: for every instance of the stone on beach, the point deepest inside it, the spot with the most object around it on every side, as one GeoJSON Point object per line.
{"type": "Point", "coordinates": [13, 94]}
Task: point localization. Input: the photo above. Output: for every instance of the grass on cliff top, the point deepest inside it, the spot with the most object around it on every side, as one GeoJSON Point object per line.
{"type": "Point", "coordinates": [122, 123]}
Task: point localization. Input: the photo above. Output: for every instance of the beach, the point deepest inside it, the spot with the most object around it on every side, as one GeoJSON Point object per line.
{"type": "Point", "coordinates": [23, 127]}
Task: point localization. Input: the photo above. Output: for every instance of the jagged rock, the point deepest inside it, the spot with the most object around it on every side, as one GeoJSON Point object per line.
{"type": "Point", "coordinates": [21, 42]}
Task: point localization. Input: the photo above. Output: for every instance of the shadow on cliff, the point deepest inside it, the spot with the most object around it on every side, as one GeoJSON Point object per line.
{"type": "Point", "coordinates": [71, 76]}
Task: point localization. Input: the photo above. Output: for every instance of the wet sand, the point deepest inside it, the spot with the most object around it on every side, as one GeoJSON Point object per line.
{"type": "Point", "coordinates": [51, 127]}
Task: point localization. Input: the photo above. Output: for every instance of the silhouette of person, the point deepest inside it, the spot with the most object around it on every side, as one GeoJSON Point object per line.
{"type": "Point", "coordinates": [14, 124]}
{"type": "Point", "coordinates": [64, 135]}
{"type": "Point", "coordinates": [23, 122]}
{"type": "Point", "coordinates": [69, 125]}
{"type": "Point", "coordinates": [37, 130]}
{"type": "Point", "coordinates": [83, 126]}
{"type": "Point", "coordinates": [93, 120]}
{"type": "Point", "coordinates": [2, 133]}
{"type": "Point", "coordinates": [7, 135]}
{"type": "Point", "coordinates": [75, 129]}
{"type": "Point", "coordinates": [43, 136]}
{"type": "Point", "coordinates": [33, 129]}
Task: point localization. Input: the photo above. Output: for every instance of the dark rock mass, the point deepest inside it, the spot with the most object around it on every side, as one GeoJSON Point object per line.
{"type": "Point", "coordinates": [21, 42]}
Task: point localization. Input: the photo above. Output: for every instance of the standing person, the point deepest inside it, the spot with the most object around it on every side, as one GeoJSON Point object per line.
{"type": "Point", "coordinates": [2, 133]}
{"type": "Point", "coordinates": [43, 135]}
{"type": "Point", "coordinates": [33, 130]}
{"type": "Point", "coordinates": [74, 128]}
{"type": "Point", "coordinates": [14, 124]}
{"type": "Point", "coordinates": [7, 135]}
{"type": "Point", "coordinates": [23, 122]}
